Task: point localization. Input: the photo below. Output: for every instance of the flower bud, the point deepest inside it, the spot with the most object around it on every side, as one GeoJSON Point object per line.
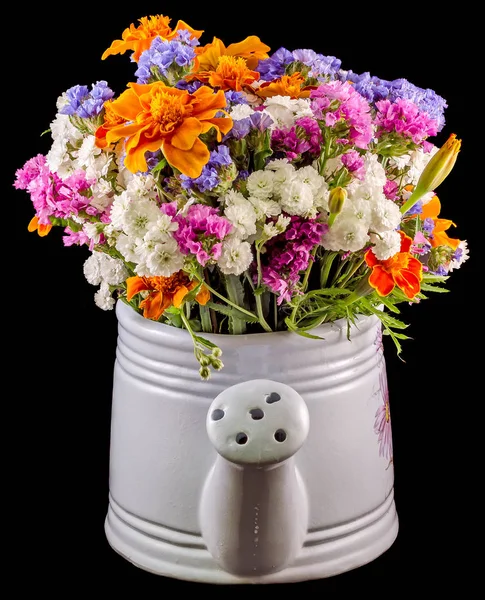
{"type": "Point", "coordinates": [435, 171]}
{"type": "Point", "coordinates": [205, 373]}
{"type": "Point", "coordinates": [336, 201]}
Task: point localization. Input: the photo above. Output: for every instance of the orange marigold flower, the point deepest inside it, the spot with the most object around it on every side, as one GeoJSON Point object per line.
{"type": "Point", "coordinates": [42, 230]}
{"type": "Point", "coordinates": [160, 117]}
{"type": "Point", "coordinates": [431, 210]}
{"type": "Point", "coordinates": [287, 85]}
{"type": "Point", "coordinates": [111, 120]}
{"type": "Point", "coordinates": [140, 38]}
{"type": "Point", "coordinates": [231, 74]}
{"type": "Point", "coordinates": [163, 292]}
{"type": "Point", "coordinates": [251, 49]}
{"type": "Point", "coordinates": [402, 270]}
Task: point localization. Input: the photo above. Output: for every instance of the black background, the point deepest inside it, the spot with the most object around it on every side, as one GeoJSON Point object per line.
{"type": "Point", "coordinates": [64, 346]}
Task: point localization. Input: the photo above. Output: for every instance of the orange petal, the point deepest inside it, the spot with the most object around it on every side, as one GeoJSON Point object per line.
{"type": "Point", "coordinates": [207, 103]}
{"type": "Point", "coordinates": [203, 295]}
{"type": "Point", "coordinates": [127, 105]}
{"type": "Point", "coordinates": [185, 136]}
{"type": "Point", "coordinates": [189, 162]}
{"type": "Point", "coordinates": [371, 259]}
{"type": "Point", "coordinates": [406, 242]}
{"type": "Point", "coordinates": [43, 230]}
{"type": "Point", "coordinates": [381, 281]}
{"type": "Point", "coordinates": [416, 267]}
{"type": "Point", "coordinates": [183, 25]}
{"type": "Point", "coordinates": [208, 55]}
{"type": "Point", "coordinates": [33, 224]}
{"type": "Point", "coordinates": [407, 281]}
{"type": "Point", "coordinates": [223, 124]}
{"type": "Point", "coordinates": [155, 305]}
{"type": "Point", "coordinates": [179, 296]}
{"type": "Point", "coordinates": [135, 285]}
{"type": "Point", "coordinates": [440, 238]}
{"type": "Point", "coordinates": [432, 209]}
{"type": "Point", "coordinates": [252, 49]}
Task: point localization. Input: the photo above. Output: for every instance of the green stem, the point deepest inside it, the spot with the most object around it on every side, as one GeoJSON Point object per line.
{"type": "Point", "coordinates": [188, 327]}
{"type": "Point", "coordinates": [257, 296]}
{"type": "Point", "coordinates": [275, 312]}
{"type": "Point", "coordinates": [311, 262]}
{"type": "Point", "coordinates": [411, 201]}
{"type": "Point", "coordinates": [351, 272]}
{"type": "Point", "coordinates": [328, 259]}
{"type": "Point", "coordinates": [226, 300]}
{"type": "Point", "coordinates": [339, 269]}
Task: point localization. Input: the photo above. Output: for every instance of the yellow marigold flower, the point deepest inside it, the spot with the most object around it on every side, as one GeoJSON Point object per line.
{"type": "Point", "coordinates": [287, 85]}
{"type": "Point", "coordinates": [160, 117]}
{"type": "Point", "coordinates": [231, 74]}
{"type": "Point", "coordinates": [140, 38]}
{"type": "Point", "coordinates": [251, 49]}
{"type": "Point", "coordinates": [163, 292]}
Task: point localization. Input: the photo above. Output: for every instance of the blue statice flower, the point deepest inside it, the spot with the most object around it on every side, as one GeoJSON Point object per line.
{"type": "Point", "coordinates": [319, 64]}
{"type": "Point", "coordinates": [190, 86]}
{"type": "Point", "coordinates": [428, 225]}
{"type": "Point", "coordinates": [165, 60]}
{"type": "Point", "coordinates": [84, 103]}
{"type": "Point", "coordinates": [234, 98]}
{"type": "Point", "coordinates": [260, 121]}
{"type": "Point", "coordinates": [426, 100]}
{"type": "Point", "coordinates": [210, 176]}
{"type": "Point", "coordinates": [274, 66]}
{"type": "Point", "coordinates": [370, 87]}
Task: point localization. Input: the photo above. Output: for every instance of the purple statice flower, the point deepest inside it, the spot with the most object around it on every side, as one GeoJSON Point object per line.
{"type": "Point", "coordinates": [390, 189]}
{"type": "Point", "coordinates": [288, 254]}
{"type": "Point", "coordinates": [304, 136]}
{"type": "Point", "coordinates": [382, 423]}
{"type": "Point", "coordinates": [260, 121]}
{"type": "Point", "coordinates": [428, 225]}
{"type": "Point", "coordinates": [209, 178]}
{"type": "Point", "coordinates": [274, 66]}
{"type": "Point", "coordinates": [201, 232]}
{"type": "Point", "coordinates": [84, 103]}
{"type": "Point", "coordinates": [417, 209]}
{"type": "Point", "coordinates": [162, 58]}
{"type": "Point", "coordinates": [319, 64]}
{"type": "Point", "coordinates": [233, 98]}
{"type": "Point", "coordinates": [457, 254]}
{"type": "Point", "coordinates": [354, 163]}
{"type": "Point", "coordinates": [183, 35]}
{"type": "Point", "coordinates": [240, 129]}
{"type": "Point", "coordinates": [371, 88]}
{"type": "Point", "coordinates": [352, 108]}
{"type": "Point", "coordinates": [190, 86]}
{"type": "Point", "coordinates": [404, 118]}
{"type": "Point", "coordinates": [427, 100]}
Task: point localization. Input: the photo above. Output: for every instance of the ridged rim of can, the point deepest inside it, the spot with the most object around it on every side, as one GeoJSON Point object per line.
{"type": "Point", "coordinates": [128, 315]}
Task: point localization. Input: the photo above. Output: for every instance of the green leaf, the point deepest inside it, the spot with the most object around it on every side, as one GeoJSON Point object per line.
{"type": "Point", "coordinates": [232, 312]}
{"type": "Point", "coordinates": [433, 288]}
{"type": "Point", "coordinates": [292, 327]}
{"type": "Point", "coordinates": [235, 293]}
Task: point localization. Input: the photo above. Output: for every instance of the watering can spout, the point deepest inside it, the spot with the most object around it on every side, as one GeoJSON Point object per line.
{"type": "Point", "coordinates": [254, 505]}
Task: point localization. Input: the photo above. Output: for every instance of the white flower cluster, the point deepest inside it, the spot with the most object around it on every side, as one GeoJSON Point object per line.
{"type": "Point", "coordinates": [103, 270]}
{"type": "Point", "coordinates": [142, 232]}
{"type": "Point", "coordinates": [278, 188]}
{"type": "Point", "coordinates": [283, 110]}
{"type": "Point", "coordinates": [367, 216]}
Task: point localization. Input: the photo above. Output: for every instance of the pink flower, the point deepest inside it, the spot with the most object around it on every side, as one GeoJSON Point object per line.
{"type": "Point", "coordinates": [390, 189]}
{"type": "Point", "coordinates": [352, 108]}
{"type": "Point", "coordinates": [354, 163]}
{"type": "Point", "coordinates": [382, 423]}
{"type": "Point", "coordinates": [405, 118]}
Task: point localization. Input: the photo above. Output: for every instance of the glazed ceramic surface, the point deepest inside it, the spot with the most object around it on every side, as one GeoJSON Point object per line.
{"type": "Point", "coordinates": [277, 469]}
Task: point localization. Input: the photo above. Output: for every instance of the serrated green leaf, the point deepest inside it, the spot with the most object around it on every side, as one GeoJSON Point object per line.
{"type": "Point", "coordinates": [232, 312]}
{"type": "Point", "coordinates": [433, 288]}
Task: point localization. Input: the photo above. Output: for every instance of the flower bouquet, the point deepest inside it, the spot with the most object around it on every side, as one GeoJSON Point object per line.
{"type": "Point", "coordinates": [233, 190]}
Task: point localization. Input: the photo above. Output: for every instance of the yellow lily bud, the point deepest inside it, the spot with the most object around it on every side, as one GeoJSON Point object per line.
{"type": "Point", "coordinates": [435, 171]}
{"type": "Point", "coordinates": [336, 201]}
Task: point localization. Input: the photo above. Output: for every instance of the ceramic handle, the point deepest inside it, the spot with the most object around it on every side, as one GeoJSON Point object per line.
{"type": "Point", "coordinates": [254, 506]}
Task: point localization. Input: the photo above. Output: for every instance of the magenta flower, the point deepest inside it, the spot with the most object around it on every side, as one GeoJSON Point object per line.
{"type": "Point", "coordinates": [390, 189]}
{"type": "Point", "coordinates": [354, 163]}
{"type": "Point", "coordinates": [200, 232]}
{"type": "Point", "coordinates": [304, 136]}
{"type": "Point", "coordinates": [405, 118]}
{"type": "Point", "coordinates": [382, 423]}
{"type": "Point", "coordinates": [339, 101]}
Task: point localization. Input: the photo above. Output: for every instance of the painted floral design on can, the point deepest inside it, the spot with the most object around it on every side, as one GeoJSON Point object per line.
{"type": "Point", "coordinates": [382, 423]}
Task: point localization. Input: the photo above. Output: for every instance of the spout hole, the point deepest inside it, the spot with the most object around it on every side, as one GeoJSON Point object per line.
{"type": "Point", "coordinates": [273, 397]}
{"type": "Point", "coordinates": [256, 414]}
{"type": "Point", "coordinates": [241, 438]}
{"type": "Point", "coordinates": [280, 435]}
{"type": "Point", "coordinates": [217, 414]}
